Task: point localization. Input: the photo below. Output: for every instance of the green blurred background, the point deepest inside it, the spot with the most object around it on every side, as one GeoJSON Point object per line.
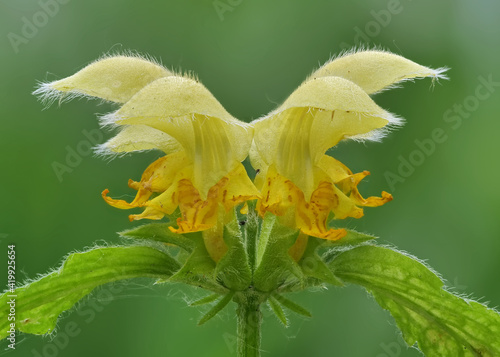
{"type": "Point", "coordinates": [251, 54]}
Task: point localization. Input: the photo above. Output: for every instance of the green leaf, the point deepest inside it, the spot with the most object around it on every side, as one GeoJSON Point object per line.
{"type": "Point", "coordinates": [233, 268]}
{"type": "Point", "coordinates": [39, 303]}
{"type": "Point", "coordinates": [217, 308]}
{"type": "Point", "coordinates": [199, 268]}
{"type": "Point", "coordinates": [278, 311]}
{"type": "Point", "coordinates": [292, 306]}
{"type": "Point", "coordinates": [159, 232]}
{"type": "Point", "coordinates": [352, 238]}
{"type": "Point", "coordinates": [441, 323]}
{"type": "Point", "coordinates": [274, 264]}
{"type": "Point", "coordinates": [312, 264]}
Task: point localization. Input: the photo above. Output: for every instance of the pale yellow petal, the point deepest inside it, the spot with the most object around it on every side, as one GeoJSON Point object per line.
{"type": "Point", "coordinates": [238, 189]}
{"type": "Point", "coordinates": [265, 142]}
{"type": "Point", "coordinates": [278, 194]}
{"type": "Point", "coordinates": [259, 164]}
{"type": "Point", "coordinates": [137, 138]}
{"type": "Point", "coordinates": [374, 71]}
{"type": "Point", "coordinates": [334, 169]}
{"type": "Point", "coordinates": [296, 139]}
{"type": "Point", "coordinates": [208, 146]}
{"type": "Point", "coordinates": [334, 93]}
{"type": "Point", "coordinates": [346, 111]}
{"type": "Point", "coordinates": [116, 79]}
{"type": "Point", "coordinates": [172, 97]}
{"type": "Point", "coordinates": [330, 127]}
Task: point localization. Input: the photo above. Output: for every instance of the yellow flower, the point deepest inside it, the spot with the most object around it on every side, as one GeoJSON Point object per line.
{"type": "Point", "coordinates": [204, 145]}
{"type": "Point", "coordinates": [297, 180]}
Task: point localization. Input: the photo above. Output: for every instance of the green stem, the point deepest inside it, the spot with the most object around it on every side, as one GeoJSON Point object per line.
{"type": "Point", "coordinates": [249, 321]}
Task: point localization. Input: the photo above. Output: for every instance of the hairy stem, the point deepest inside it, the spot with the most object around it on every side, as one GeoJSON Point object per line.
{"type": "Point", "coordinates": [249, 322]}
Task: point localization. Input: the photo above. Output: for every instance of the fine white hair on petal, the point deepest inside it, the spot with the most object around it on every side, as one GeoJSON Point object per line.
{"type": "Point", "coordinates": [439, 73]}
{"type": "Point", "coordinates": [102, 151]}
{"type": "Point", "coordinates": [377, 135]}
{"type": "Point", "coordinates": [353, 50]}
{"type": "Point", "coordinates": [109, 120]}
{"type": "Point", "coordinates": [47, 94]}
{"type": "Point", "coordinates": [130, 53]}
{"type": "Point", "coordinates": [413, 70]}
